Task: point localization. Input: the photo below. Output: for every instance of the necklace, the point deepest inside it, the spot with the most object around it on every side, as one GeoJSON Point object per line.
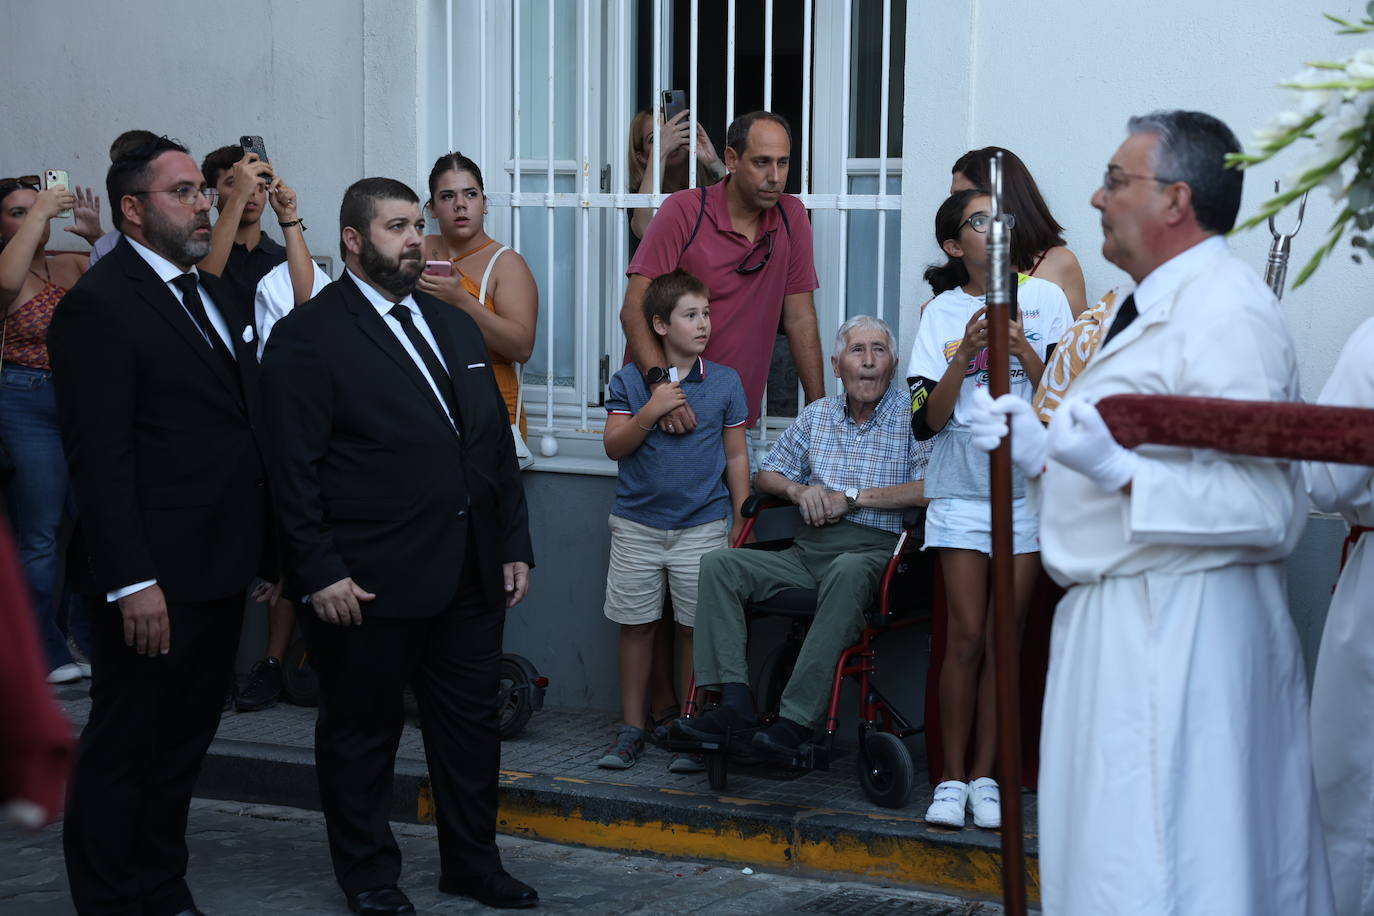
{"type": "Point", "coordinates": [46, 269]}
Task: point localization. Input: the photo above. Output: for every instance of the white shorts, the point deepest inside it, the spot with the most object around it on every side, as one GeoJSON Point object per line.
{"type": "Point", "coordinates": [644, 558]}
{"type": "Point", "coordinates": [967, 525]}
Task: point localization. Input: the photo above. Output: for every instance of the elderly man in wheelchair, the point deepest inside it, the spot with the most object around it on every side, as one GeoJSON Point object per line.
{"type": "Point", "coordinates": [850, 465]}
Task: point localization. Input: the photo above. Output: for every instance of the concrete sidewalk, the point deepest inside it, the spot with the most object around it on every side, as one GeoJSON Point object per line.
{"type": "Point", "coordinates": [816, 823]}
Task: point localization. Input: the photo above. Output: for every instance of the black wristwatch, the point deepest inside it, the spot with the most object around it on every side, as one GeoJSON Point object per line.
{"type": "Point", "coordinates": [655, 375]}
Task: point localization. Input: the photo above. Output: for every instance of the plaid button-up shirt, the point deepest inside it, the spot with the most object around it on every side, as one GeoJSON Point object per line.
{"type": "Point", "coordinates": [825, 446]}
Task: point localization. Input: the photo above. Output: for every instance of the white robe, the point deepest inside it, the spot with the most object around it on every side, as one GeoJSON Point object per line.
{"type": "Point", "coordinates": [1343, 687]}
{"type": "Point", "coordinates": [1176, 774]}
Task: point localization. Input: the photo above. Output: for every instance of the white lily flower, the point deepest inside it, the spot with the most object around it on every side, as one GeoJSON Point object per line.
{"type": "Point", "coordinates": [1361, 65]}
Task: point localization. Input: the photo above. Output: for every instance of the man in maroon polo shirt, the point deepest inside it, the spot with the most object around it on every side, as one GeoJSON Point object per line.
{"type": "Point", "coordinates": [751, 245]}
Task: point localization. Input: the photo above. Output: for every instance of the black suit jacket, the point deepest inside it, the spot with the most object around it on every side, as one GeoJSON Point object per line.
{"type": "Point", "coordinates": [371, 480]}
{"type": "Point", "coordinates": [160, 436]}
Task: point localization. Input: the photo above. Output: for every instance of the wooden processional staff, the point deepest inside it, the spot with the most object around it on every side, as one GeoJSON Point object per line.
{"type": "Point", "coordinates": [1006, 653]}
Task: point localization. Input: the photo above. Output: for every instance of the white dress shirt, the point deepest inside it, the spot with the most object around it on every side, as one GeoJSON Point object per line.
{"type": "Point", "coordinates": [384, 307]}
{"type": "Point", "coordinates": [167, 272]}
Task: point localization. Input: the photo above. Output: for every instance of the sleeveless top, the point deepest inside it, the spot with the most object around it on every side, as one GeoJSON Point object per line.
{"type": "Point", "coordinates": [26, 329]}
{"type": "Point", "coordinates": [507, 377]}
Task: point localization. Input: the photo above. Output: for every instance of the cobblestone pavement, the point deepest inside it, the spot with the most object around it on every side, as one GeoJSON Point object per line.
{"type": "Point", "coordinates": [248, 860]}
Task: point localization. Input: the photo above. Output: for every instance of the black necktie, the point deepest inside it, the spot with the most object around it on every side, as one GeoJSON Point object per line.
{"type": "Point", "coordinates": [190, 297]}
{"type": "Point", "coordinates": [442, 380]}
{"type": "Point", "coordinates": [1124, 316]}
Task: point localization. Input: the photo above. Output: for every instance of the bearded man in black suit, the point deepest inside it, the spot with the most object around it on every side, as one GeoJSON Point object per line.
{"type": "Point", "coordinates": [157, 397]}
{"type": "Point", "coordinates": [406, 534]}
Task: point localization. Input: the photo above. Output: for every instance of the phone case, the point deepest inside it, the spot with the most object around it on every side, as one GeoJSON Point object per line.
{"type": "Point", "coordinates": [52, 177]}
{"type": "Point", "coordinates": [254, 144]}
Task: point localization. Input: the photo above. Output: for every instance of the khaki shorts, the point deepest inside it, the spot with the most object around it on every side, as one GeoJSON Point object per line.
{"type": "Point", "coordinates": [644, 558]}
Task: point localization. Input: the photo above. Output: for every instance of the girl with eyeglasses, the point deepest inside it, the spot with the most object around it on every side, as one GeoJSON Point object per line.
{"type": "Point", "coordinates": [949, 362]}
{"type": "Point", "coordinates": [32, 282]}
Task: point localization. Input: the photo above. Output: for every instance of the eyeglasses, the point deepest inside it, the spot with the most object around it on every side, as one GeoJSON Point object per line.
{"type": "Point", "coordinates": [745, 267]}
{"type": "Point", "coordinates": [979, 222]}
{"type": "Point", "coordinates": [186, 193]}
{"type": "Point", "coordinates": [23, 181]}
{"type": "Point", "coordinates": [1115, 179]}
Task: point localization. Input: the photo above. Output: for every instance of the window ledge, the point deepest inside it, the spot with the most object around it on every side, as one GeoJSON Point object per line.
{"type": "Point", "coordinates": [575, 456]}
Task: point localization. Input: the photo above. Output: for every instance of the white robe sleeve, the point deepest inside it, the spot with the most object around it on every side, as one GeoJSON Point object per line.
{"type": "Point", "coordinates": [1208, 498]}
{"type": "Point", "coordinates": [1346, 487]}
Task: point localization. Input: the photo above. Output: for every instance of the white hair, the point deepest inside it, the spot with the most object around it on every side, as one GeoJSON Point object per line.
{"type": "Point", "coordinates": [864, 323]}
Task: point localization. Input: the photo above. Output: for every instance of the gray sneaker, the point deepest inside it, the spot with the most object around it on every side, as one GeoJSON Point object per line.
{"type": "Point", "coordinates": [625, 753]}
{"type": "Point", "coordinates": [687, 763]}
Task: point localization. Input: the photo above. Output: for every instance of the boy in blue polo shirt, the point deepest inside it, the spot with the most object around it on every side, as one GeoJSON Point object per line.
{"type": "Point", "coordinates": [675, 494]}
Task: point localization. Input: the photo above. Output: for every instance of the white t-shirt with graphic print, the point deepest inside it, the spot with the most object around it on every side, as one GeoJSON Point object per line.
{"type": "Point", "coordinates": [1045, 316]}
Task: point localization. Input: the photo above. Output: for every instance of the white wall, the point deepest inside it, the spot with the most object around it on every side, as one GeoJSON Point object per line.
{"type": "Point", "coordinates": [1056, 81]}
{"type": "Point", "coordinates": [78, 72]}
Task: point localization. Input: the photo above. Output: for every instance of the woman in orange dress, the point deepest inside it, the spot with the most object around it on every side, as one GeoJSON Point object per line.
{"type": "Point", "coordinates": [490, 282]}
{"type": "Point", "coordinates": [32, 282]}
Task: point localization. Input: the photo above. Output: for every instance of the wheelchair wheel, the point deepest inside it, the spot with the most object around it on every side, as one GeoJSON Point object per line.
{"type": "Point", "coordinates": [715, 771]}
{"type": "Point", "coordinates": [299, 683]}
{"type": "Point", "coordinates": [773, 676]}
{"type": "Point", "coordinates": [886, 771]}
{"type": "Point", "coordinates": [513, 699]}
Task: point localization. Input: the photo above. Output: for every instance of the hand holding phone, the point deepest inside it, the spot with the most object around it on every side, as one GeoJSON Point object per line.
{"type": "Point", "coordinates": [674, 103]}
{"type": "Point", "coordinates": [439, 268]}
{"type": "Point", "coordinates": [53, 178]}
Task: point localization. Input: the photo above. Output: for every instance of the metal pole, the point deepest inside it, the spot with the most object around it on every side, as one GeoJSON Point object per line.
{"type": "Point", "coordinates": [729, 62]}
{"type": "Point", "coordinates": [884, 90]}
{"type": "Point", "coordinates": [1006, 654]}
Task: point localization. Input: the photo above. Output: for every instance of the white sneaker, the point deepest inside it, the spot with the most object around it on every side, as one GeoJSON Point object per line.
{"type": "Point", "coordinates": [986, 801]}
{"type": "Point", "coordinates": [65, 674]}
{"type": "Point", "coordinates": [947, 810]}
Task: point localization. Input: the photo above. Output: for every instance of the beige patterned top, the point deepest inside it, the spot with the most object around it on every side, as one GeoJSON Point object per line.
{"type": "Point", "coordinates": [1073, 351]}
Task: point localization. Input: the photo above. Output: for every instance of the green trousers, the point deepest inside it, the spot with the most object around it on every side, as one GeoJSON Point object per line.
{"type": "Point", "coordinates": [844, 562]}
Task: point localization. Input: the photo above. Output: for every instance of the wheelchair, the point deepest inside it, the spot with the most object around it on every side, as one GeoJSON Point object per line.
{"type": "Point", "coordinates": [885, 767]}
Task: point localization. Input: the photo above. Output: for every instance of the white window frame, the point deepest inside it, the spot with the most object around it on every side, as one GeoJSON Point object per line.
{"type": "Point", "coordinates": [589, 307]}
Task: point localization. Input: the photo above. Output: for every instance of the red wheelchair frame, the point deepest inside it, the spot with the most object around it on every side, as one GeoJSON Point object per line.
{"type": "Point", "coordinates": [885, 766]}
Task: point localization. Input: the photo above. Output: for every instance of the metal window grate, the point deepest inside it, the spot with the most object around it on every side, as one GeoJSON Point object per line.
{"type": "Point", "coordinates": [546, 51]}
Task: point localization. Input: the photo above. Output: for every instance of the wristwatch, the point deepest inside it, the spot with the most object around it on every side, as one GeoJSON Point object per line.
{"type": "Point", "coordinates": [851, 498]}
{"type": "Point", "coordinates": [655, 375]}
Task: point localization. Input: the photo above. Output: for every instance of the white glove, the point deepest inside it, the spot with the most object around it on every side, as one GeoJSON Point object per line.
{"type": "Point", "coordinates": [1079, 439]}
{"type": "Point", "coordinates": [990, 420]}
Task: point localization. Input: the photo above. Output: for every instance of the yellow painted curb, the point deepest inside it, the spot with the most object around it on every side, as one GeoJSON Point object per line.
{"type": "Point", "coordinates": [792, 842]}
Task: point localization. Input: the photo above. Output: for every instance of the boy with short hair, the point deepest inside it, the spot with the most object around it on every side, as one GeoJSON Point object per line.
{"type": "Point", "coordinates": [674, 495]}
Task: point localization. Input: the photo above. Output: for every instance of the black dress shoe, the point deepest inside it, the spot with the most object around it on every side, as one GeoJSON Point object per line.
{"type": "Point", "coordinates": [497, 889]}
{"type": "Point", "coordinates": [381, 900]}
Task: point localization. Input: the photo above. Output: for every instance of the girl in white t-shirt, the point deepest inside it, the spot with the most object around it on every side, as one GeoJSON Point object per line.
{"type": "Point", "coordinates": [949, 362]}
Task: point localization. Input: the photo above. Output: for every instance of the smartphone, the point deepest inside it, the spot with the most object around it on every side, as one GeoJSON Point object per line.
{"type": "Point", "coordinates": [54, 177]}
{"type": "Point", "coordinates": [439, 268]}
{"type": "Point", "coordinates": [253, 144]}
{"type": "Point", "coordinates": [674, 103]}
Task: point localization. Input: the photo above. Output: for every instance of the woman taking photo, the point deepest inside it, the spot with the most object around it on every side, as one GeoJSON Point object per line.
{"type": "Point", "coordinates": [32, 282]}
{"type": "Point", "coordinates": [490, 282]}
{"type": "Point", "coordinates": [949, 362]}
{"type": "Point", "coordinates": [673, 154]}
{"type": "Point", "coordinates": [1038, 248]}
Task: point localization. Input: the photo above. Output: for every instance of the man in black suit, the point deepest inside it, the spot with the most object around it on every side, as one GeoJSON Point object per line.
{"type": "Point", "coordinates": [404, 520]}
{"type": "Point", "coordinates": [157, 399]}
